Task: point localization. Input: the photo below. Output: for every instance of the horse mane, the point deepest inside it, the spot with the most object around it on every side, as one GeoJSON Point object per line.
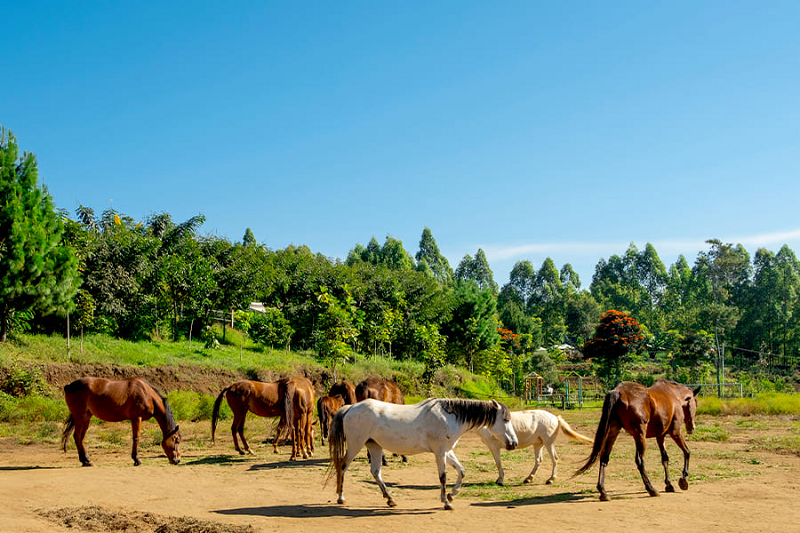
{"type": "Point", "coordinates": [476, 413]}
{"type": "Point", "coordinates": [168, 415]}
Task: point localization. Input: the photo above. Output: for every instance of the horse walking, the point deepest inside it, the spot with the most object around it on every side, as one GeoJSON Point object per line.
{"type": "Point", "coordinates": [433, 425]}
{"type": "Point", "coordinates": [653, 412]}
{"type": "Point", "coordinates": [326, 408]}
{"type": "Point", "coordinates": [261, 399]}
{"type": "Point", "coordinates": [536, 428]}
{"type": "Point", "coordinates": [382, 389]}
{"type": "Point", "coordinates": [131, 399]}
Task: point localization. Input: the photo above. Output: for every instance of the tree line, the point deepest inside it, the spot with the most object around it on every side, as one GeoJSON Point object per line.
{"type": "Point", "coordinates": [158, 277]}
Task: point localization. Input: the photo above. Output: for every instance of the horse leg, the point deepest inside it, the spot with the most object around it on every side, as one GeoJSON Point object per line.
{"type": "Point", "coordinates": [136, 426]}
{"type": "Point", "coordinates": [451, 459]}
{"type": "Point", "coordinates": [81, 425]}
{"type": "Point", "coordinates": [537, 459]}
{"type": "Point", "coordinates": [494, 447]}
{"type": "Point", "coordinates": [441, 466]}
{"type": "Point", "coordinates": [611, 437]}
{"type": "Point", "coordinates": [375, 469]}
{"type": "Point", "coordinates": [351, 453]}
{"type": "Point", "coordinates": [551, 450]}
{"type": "Point", "coordinates": [677, 436]}
{"type": "Point", "coordinates": [665, 462]}
{"type": "Point", "coordinates": [641, 445]}
{"type": "Point", "coordinates": [278, 431]}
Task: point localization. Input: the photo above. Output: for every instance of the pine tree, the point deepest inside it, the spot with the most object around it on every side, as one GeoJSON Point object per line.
{"type": "Point", "coordinates": [37, 272]}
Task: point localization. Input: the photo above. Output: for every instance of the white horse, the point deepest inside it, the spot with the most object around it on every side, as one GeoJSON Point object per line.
{"type": "Point", "coordinates": [535, 428]}
{"type": "Point", "coordinates": [433, 425]}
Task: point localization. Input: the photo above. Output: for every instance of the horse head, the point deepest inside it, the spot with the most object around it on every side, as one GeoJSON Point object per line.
{"type": "Point", "coordinates": [172, 445]}
{"type": "Point", "coordinates": [501, 428]}
{"type": "Point", "coordinates": [690, 409]}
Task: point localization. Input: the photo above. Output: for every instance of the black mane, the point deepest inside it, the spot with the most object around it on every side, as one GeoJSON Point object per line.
{"type": "Point", "coordinates": [476, 413]}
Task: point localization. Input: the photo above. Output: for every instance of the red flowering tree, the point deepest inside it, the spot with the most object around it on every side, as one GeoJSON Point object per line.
{"type": "Point", "coordinates": [617, 338]}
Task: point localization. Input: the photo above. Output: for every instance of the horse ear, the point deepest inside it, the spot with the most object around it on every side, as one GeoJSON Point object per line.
{"type": "Point", "coordinates": [696, 391]}
{"type": "Point", "coordinates": [495, 403]}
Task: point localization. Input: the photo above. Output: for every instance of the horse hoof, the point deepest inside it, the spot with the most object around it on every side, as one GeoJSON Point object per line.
{"type": "Point", "coordinates": [605, 497]}
{"type": "Point", "coordinates": [683, 484]}
{"type": "Point", "coordinates": [669, 488]}
{"type": "Point", "coordinates": [137, 462]}
{"type": "Point", "coordinates": [449, 497]}
{"type": "Point", "coordinates": [500, 482]}
{"type": "Point", "coordinates": [652, 493]}
{"type": "Point", "coordinates": [340, 501]}
{"type": "Point", "coordinates": [448, 507]}
{"type": "Point", "coordinates": [87, 463]}
{"type": "Point", "coordinates": [240, 452]}
{"type": "Point", "coordinates": [550, 481]}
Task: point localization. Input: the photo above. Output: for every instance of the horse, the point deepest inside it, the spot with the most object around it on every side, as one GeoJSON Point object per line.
{"type": "Point", "coordinates": [131, 399]}
{"type": "Point", "coordinates": [326, 408]}
{"type": "Point", "coordinates": [536, 428]}
{"type": "Point", "coordinates": [262, 399]}
{"type": "Point", "coordinates": [381, 389]}
{"type": "Point", "coordinates": [346, 390]}
{"type": "Point", "coordinates": [433, 425]}
{"type": "Point", "coordinates": [297, 394]}
{"type": "Point", "coordinates": [645, 413]}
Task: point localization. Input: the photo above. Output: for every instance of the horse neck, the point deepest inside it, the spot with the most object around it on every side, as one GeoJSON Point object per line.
{"type": "Point", "coordinates": [163, 415]}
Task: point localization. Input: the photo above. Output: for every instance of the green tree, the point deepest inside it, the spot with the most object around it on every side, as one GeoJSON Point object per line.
{"type": "Point", "coordinates": [429, 255]}
{"type": "Point", "coordinates": [249, 239]}
{"type": "Point", "coordinates": [473, 324]}
{"type": "Point", "coordinates": [477, 269]}
{"type": "Point", "coordinates": [37, 270]}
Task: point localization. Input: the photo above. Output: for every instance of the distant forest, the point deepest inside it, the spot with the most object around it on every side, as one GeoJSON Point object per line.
{"type": "Point", "coordinates": [161, 278]}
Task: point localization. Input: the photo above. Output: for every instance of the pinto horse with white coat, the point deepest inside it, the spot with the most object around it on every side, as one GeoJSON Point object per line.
{"type": "Point", "coordinates": [433, 425]}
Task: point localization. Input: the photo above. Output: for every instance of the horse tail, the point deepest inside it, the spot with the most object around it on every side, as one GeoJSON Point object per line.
{"type": "Point", "coordinates": [609, 403]}
{"type": "Point", "coordinates": [215, 413]}
{"type": "Point", "coordinates": [322, 413]}
{"type": "Point", "coordinates": [287, 409]}
{"type": "Point", "coordinates": [69, 426]}
{"type": "Point", "coordinates": [571, 433]}
{"type": "Point", "coordinates": [337, 444]}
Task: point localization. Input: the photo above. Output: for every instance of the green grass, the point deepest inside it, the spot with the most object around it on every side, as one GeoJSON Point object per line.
{"type": "Point", "coordinates": [773, 403]}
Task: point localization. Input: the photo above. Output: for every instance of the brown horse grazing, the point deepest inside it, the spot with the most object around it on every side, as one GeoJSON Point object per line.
{"type": "Point", "coordinates": [297, 395]}
{"type": "Point", "coordinates": [379, 389]}
{"type": "Point", "coordinates": [261, 399]}
{"type": "Point", "coordinates": [131, 399]}
{"type": "Point", "coordinates": [326, 408]}
{"type": "Point", "coordinates": [346, 390]}
{"type": "Point", "coordinates": [644, 413]}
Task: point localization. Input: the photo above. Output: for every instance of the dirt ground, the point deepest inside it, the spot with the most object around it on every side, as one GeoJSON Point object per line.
{"type": "Point", "coordinates": [734, 486]}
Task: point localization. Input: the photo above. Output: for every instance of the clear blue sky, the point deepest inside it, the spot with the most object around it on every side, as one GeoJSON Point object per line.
{"type": "Point", "coordinates": [529, 129]}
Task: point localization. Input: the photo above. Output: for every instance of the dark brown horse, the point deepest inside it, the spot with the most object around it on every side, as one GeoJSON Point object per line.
{"type": "Point", "coordinates": [326, 408]}
{"type": "Point", "coordinates": [381, 389]}
{"type": "Point", "coordinates": [131, 399]}
{"type": "Point", "coordinates": [644, 413]}
{"type": "Point", "coordinates": [261, 399]}
{"type": "Point", "coordinates": [346, 390]}
{"type": "Point", "coordinates": [297, 395]}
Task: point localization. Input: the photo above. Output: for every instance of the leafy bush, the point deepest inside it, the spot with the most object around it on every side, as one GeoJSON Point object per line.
{"type": "Point", "coordinates": [764, 404]}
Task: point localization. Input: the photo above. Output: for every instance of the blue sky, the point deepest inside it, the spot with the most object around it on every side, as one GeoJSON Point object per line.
{"type": "Point", "coordinates": [528, 129]}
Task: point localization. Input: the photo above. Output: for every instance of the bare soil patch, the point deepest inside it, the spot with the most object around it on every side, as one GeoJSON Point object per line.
{"type": "Point", "coordinates": [735, 485]}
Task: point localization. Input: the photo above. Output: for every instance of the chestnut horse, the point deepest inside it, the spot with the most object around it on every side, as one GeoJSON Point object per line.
{"type": "Point", "coordinates": [261, 399]}
{"type": "Point", "coordinates": [379, 389]}
{"type": "Point", "coordinates": [644, 413]}
{"type": "Point", "coordinates": [297, 394]}
{"type": "Point", "coordinates": [326, 408]}
{"type": "Point", "coordinates": [131, 399]}
{"type": "Point", "coordinates": [346, 390]}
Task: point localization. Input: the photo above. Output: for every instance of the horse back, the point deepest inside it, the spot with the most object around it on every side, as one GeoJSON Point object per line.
{"type": "Point", "coordinates": [257, 397]}
{"type": "Point", "coordinates": [666, 400]}
{"type": "Point", "coordinates": [346, 390]}
{"type": "Point", "coordinates": [112, 400]}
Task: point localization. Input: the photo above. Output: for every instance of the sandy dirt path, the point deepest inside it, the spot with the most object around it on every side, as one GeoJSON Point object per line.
{"type": "Point", "coordinates": [732, 488]}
